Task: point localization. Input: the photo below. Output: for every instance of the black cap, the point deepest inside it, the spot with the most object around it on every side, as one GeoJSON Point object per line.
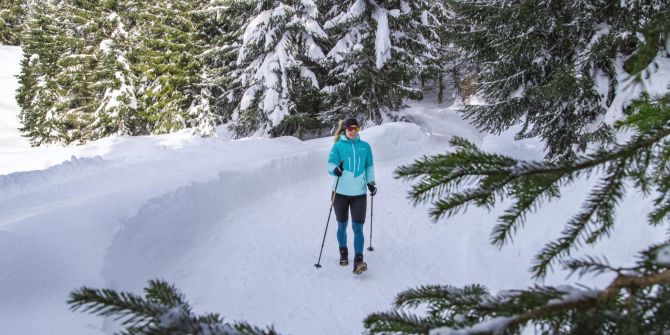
{"type": "Point", "coordinates": [350, 122]}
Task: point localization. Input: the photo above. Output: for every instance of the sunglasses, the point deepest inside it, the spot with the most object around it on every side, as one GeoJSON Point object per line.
{"type": "Point", "coordinates": [352, 128]}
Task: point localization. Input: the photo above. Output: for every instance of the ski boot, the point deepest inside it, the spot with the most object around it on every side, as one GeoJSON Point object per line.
{"type": "Point", "coordinates": [359, 265]}
{"type": "Point", "coordinates": [344, 256]}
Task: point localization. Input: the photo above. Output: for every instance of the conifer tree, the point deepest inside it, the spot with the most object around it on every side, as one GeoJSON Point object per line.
{"type": "Point", "coordinates": [280, 54]}
{"type": "Point", "coordinates": [116, 112]}
{"type": "Point", "coordinates": [441, 62]}
{"type": "Point", "coordinates": [552, 66]}
{"type": "Point", "coordinates": [12, 17]}
{"type": "Point", "coordinates": [380, 51]}
{"type": "Point", "coordinates": [82, 77]}
{"type": "Point", "coordinates": [37, 94]}
{"type": "Point", "coordinates": [221, 24]}
{"type": "Point", "coordinates": [69, 73]}
{"type": "Point", "coordinates": [165, 44]}
{"type": "Point", "coordinates": [163, 310]}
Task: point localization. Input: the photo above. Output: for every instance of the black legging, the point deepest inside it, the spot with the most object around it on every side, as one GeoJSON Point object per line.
{"type": "Point", "coordinates": [357, 203]}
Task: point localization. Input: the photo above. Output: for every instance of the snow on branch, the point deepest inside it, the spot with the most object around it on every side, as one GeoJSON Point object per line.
{"type": "Point", "coordinates": [356, 10]}
{"type": "Point", "coordinates": [383, 38]}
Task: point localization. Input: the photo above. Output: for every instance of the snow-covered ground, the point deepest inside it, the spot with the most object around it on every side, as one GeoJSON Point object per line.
{"type": "Point", "coordinates": [237, 225]}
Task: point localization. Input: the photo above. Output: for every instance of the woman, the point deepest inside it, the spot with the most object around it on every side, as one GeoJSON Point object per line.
{"type": "Point", "coordinates": [350, 161]}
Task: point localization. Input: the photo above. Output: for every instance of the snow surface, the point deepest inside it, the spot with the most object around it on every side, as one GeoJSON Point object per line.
{"type": "Point", "coordinates": [493, 326]}
{"type": "Point", "coordinates": [237, 225]}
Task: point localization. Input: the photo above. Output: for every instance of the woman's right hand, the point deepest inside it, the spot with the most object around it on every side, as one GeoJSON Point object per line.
{"type": "Point", "coordinates": [338, 169]}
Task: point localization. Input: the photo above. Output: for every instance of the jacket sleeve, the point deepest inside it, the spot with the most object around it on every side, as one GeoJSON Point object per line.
{"type": "Point", "coordinates": [369, 167]}
{"type": "Point", "coordinates": [333, 159]}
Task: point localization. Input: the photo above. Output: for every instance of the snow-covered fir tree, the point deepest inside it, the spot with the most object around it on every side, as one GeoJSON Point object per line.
{"type": "Point", "coordinates": [12, 17]}
{"type": "Point", "coordinates": [37, 94]}
{"type": "Point", "coordinates": [221, 24]}
{"type": "Point", "coordinates": [116, 113]}
{"type": "Point", "coordinates": [380, 49]}
{"type": "Point", "coordinates": [280, 54]}
{"type": "Point", "coordinates": [555, 66]}
{"type": "Point", "coordinates": [165, 45]}
{"type": "Point", "coordinates": [441, 64]}
{"type": "Point", "coordinates": [82, 77]}
{"type": "Point", "coordinates": [449, 71]}
{"type": "Point", "coordinates": [69, 75]}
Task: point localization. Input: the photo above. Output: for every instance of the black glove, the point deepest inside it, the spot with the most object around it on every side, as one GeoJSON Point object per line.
{"type": "Point", "coordinates": [373, 189]}
{"type": "Point", "coordinates": [338, 170]}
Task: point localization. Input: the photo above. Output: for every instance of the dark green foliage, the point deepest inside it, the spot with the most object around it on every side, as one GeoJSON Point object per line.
{"type": "Point", "coordinates": [82, 77]}
{"type": "Point", "coordinates": [37, 86]}
{"type": "Point", "coordinates": [162, 310]}
{"type": "Point", "coordinates": [306, 103]}
{"type": "Point", "coordinates": [636, 302]}
{"type": "Point", "coordinates": [97, 68]}
{"type": "Point", "coordinates": [73, 87]}
{"type": "Point", "coordinates": [165, 44]}
{"type": "Point", "coordinates": [12, 17]}
{"type": "Point", "coordinates": [551, 65]}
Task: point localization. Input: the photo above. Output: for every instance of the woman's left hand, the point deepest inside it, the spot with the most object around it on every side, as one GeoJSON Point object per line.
{"type": "Point", "coordinates": [372, 188]}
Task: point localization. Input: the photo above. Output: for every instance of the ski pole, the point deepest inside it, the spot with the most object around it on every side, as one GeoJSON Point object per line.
{"type": "Point", "coordinates": [332, 201]}
{"type": "Point", "coordinates": [372, 210]}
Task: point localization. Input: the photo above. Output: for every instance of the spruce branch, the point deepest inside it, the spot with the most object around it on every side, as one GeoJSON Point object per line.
{"type": "Point", "coordinates": [622, 282]}
{"type": "Point", "coordinates": [529, 194]}
{"type": "Point", "coordinates": [598, 212]}
{"type": "Point", "coordinates": [472, 301]}
{"type": "Point", "coordinates": [397, 321]}
{"type": "Point", "coordinates": [163, 310]}
{"type": "Point", "coordinates": [106, 302]}
{"type": "Point", "coordinates": [164, 293]}
{"type": "Point", "coordinates": [540, 305]}
{"type": "Point", "coordinates": [591, 264]}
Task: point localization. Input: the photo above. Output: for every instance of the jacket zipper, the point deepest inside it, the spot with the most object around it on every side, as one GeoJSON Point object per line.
{"type": "Point", "coordinates": [354, 149]}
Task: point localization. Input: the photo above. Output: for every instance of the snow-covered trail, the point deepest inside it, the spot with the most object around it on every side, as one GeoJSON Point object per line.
{"type": "Point", "coordinates": [237, 225]}
{"type": "Point", "coordinates": [249, 254]}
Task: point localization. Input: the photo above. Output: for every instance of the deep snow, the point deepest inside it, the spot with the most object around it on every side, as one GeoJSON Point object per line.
{"type": "Point", "coordinates": [237, 225]}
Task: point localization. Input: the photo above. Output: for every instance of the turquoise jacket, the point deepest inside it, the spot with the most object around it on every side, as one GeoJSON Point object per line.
{"type": "Point", "coordinates": [358, 166]}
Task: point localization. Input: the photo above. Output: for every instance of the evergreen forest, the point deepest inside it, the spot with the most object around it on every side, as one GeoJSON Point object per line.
{"type": "Point", "coordinates": [93, 69]}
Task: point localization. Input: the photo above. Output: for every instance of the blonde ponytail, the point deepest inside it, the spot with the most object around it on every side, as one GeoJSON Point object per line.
{"type": "Point", "coordinates": [340, 129]}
